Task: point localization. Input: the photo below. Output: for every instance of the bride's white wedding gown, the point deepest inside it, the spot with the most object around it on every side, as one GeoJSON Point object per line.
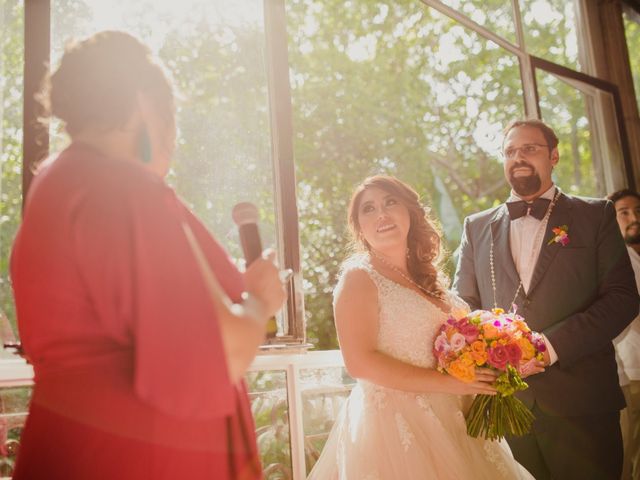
{"type": "Point", "coordinates": [386, 434]}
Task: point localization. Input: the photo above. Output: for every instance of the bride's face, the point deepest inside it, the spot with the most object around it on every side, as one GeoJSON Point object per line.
{"type": "Point", "coordinates": [384, 220]}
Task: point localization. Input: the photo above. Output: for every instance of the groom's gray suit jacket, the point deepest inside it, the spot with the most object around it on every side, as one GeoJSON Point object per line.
{"type": "Point", "coordinates": [581, 297]}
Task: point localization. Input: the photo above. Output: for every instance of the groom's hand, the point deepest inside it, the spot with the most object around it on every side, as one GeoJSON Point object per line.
{"type": "Point", "coordinates": [531, 367]}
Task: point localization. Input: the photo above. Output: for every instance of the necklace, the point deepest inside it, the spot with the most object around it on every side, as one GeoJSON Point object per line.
{"type": "Point", "coordinates": [539, 233]}
{"type": "Point", "coordinates": [391, 266]}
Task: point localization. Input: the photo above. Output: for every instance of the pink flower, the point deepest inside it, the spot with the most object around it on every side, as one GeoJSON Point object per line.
{"type": "Point", "coordinates": [468, 330]}
{"type": "Point", "coordinates": [457, 342]}
{"type": "Point", "coordinates": [498, 357]}
{"type": "Point", "coordinates": [441, 344]}
{"type": "Point", "coordinates": [514, 352]}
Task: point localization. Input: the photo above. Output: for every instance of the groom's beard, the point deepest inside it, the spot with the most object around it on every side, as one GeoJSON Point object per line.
{"type": "Point", "coordinates": [632, 238]}
{"type": "Point", "coordinates": [525, 186]}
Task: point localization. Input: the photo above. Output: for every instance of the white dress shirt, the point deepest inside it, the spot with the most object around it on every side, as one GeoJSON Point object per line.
{"type": "Point", "coordinates": [526, 235]}
{"type": "Point", "coordinates": [628, 342]}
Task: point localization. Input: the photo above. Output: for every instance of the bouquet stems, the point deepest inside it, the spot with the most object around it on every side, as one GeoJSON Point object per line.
{"type": "Point", "coordinates": [494, 416]}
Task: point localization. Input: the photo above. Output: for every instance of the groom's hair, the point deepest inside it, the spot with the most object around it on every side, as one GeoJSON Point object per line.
{"type": "Point", "coordinates": [626, 192]}
{"type": "Point", "coordinates": [549, 135]}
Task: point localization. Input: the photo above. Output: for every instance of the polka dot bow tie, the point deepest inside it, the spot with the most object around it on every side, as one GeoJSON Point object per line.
{"type": "Point", "coordinates": [536, 209]}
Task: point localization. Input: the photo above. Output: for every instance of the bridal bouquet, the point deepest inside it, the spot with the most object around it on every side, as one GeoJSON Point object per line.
{"type": "Point", "coordinates": [499, 341]}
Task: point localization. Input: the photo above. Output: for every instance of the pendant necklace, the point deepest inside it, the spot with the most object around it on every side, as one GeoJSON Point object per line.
{"type": "Point", "coordinates": [391, 266]}
{"type": "Point", "coordinates": [537, 240]}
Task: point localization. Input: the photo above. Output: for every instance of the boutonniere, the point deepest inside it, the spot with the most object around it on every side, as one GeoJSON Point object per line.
{"type": "Point", "coordinates": [560, 235]}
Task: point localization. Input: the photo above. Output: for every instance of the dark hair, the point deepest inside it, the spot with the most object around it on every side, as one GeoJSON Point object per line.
{"type": "Point", "coordinates": [625, 192]}
{"type": "Point", "coordinates": [549, 135]}
{"type": "Point", "coordinates": [98, 79]}
{"type": "Point", "coordinates": [423, 240]}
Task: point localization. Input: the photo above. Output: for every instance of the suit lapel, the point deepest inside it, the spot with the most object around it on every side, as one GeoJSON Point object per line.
{"type": "Point", "coordinates": [503, 260]}
{"type": "Point", "coordinates": [561, 215]}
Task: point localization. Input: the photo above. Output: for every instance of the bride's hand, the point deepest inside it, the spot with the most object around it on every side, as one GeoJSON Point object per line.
{"type": "Point", "coordinates": [483, 384]}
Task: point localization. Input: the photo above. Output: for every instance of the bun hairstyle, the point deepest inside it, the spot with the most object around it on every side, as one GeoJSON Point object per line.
{"type": "Point", "coordinates": [98, 79]}
{"type": "Point", "coordinates": [423, 241]}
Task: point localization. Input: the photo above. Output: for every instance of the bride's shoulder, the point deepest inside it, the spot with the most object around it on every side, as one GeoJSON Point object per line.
{"type": "Point", "coordinates": [355, 275]}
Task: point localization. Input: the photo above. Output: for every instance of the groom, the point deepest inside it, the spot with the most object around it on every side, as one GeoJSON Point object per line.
{"type": "Point", "coordinates": [562, 261]}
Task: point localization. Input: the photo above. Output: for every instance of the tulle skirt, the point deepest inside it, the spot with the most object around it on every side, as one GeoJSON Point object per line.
{"type": "Point", "coordinates": [385, 434]}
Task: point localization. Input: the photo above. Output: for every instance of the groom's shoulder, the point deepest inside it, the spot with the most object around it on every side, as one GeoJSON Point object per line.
{"type": "Point", "coordinates": [485, 216]}
{"type": "Point", "coordinates": [588, 204]}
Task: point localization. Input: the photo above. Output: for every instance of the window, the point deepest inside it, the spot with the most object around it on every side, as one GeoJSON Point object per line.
{"type": "Point", "coordinates": [11, 102]}
{"type": "Point", "coordinates": [632, 32]}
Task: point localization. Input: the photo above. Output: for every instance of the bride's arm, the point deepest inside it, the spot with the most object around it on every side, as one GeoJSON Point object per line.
{"type": "Point", "coordinates": [357, 323]}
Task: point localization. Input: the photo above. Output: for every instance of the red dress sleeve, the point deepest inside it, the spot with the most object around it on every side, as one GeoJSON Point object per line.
{"type": "Point", "coordinates": [142, 277]}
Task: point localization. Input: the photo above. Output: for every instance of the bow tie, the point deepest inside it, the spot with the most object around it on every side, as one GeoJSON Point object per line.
{"type": "Point", "coordinates": [536, 209]}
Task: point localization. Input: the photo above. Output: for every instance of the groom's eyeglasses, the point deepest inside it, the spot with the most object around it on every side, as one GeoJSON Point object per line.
{"type": "Point", "coordinates": [528, 150]}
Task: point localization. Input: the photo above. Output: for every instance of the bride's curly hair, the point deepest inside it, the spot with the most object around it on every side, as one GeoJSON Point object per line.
{"type": "Point", "coordinates": [423, 241]}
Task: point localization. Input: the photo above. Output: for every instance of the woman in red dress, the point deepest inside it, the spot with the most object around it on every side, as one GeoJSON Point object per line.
{"type": "Point", "coordinates": [124, 300]}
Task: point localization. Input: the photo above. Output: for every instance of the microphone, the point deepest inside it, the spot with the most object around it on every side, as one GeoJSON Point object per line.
{"type": "Point", "coordinates": [245, 216]}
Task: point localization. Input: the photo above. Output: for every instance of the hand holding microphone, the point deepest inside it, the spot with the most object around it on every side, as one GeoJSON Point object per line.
{"type": "Point", "coordinates": [262, 278]}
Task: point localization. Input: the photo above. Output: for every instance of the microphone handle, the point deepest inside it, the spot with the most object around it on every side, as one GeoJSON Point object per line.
{"type": "Point", "coordinates": [250, 241]}
{"type": "Point", "coordinates": [252, 249]}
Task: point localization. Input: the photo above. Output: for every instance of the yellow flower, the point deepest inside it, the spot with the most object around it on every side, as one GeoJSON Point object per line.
{"type": "Point", "coordinates": [497, 311]}
{"type": "Point", "coordinates": [528, 350]}
{"type": "Point", "coordinates": [478, 352]}
{"type": "Point", "coordinates": [463, 372]}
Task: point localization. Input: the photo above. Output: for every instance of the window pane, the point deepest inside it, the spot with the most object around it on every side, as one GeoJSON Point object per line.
{"type": "Point", "coordinates": [268, 394]}
{"type": "Point", "coordinates": [324, 391]}
{"type": "Point", "coordinates": [215, 53]}
{"type": "Point", "coordinates": [550, 31]}
{"type": "Point", "coordinates": [568, 111]}
{"type": "Point", "coordinates": [391, 87]}
{"type": "Point", "coordinates": [494, 15]}
{"type": "Point", "coordinates": [14, 406]}
{"type": "Point", "coordinates": [632, 32]}
{"type": "Point", "coordinates": [11, 100]}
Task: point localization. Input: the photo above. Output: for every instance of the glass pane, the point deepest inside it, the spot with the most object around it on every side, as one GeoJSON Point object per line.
{"type": "Point", "coordinates": [324, 391]}
{"type": "Point", "coordinates": [391, 87]}
{"type": "Point", "coordinates": [215, 53]}
{"type": "Point", "coordinates": [632, 32]}
{"type": "Point", "coordinates": [550, 31]}
{"type": "Point", "coordinates": [494, 15]}
{"type": "Point", "coordinates": [268, 394]}
{"type": "Point", "coordinates": [11, 100]}
{"type": "Point", "coordinates": [568, 111]}
{"type": "Point", "coordinates": [14, 405]}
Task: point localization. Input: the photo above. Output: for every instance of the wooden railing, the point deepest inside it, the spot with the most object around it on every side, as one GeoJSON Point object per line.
{"type": "Point", "coordinates": [295, 398]}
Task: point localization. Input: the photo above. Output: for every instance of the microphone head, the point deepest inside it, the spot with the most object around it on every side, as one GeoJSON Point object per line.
{"type": "Point", "coordinates": [244, 213]}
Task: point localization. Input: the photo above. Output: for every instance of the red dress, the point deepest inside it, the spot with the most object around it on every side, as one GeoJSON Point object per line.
{"type": "Point", "coordinates": [130, 374]}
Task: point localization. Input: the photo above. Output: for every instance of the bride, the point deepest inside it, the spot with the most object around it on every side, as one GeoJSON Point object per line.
{"type": "Point", "coordinates": [404, 419]}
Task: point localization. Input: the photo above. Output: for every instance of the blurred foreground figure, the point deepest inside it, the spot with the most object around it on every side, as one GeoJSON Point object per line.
{"type": "Point", "coordinates": [124, 300]}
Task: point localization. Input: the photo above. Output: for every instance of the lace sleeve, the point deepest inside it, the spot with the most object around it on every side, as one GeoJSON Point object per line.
{"type": "Point", "coordinates": [456, 302]}
{"type": "Point", "coordinates": [356, 262]}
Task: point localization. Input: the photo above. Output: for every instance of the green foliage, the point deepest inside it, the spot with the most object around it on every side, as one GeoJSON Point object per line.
{"type": "Point", "coordinates": [632, 33]}
{"type": "Point", "coordinates": [11, 96]}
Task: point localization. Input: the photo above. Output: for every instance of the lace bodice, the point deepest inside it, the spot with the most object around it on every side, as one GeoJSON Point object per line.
{"type": "Point", "coordinates": [408, 322]}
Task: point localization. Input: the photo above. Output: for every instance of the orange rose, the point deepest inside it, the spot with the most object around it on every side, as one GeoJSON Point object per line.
{"type": "Point", "coordinates": [490, 331]}
{"type": "Point", "coordinates": [479, 352]}
{"type": "Point", "coordinates": [463, 372]}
